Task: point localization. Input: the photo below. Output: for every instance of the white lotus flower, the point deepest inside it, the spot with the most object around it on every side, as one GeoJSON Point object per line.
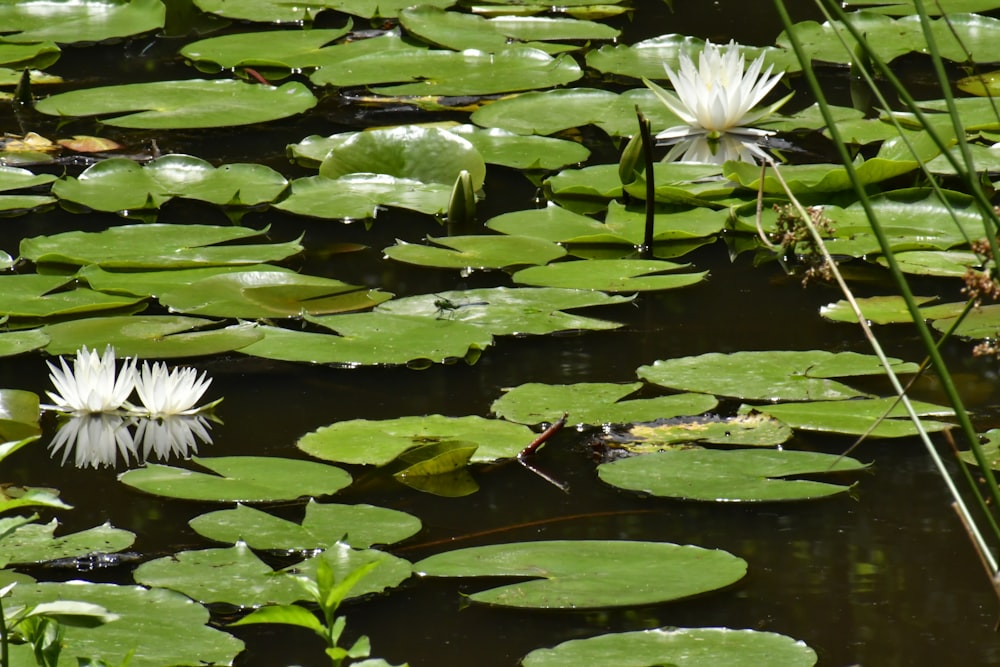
{"type": "Point", "coordinates": [715, 101]}
{"type": "Point", "coordinates": [94, 384]}
{"type": "Point", "coordinates": [164, 392]}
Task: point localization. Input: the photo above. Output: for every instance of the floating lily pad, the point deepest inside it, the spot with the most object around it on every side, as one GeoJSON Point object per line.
{"type": "Point", "coordinates": [17, 342]}
{"type": "Point", "coordinates": [889, 309]}
{"type": "Point", "coordinates": [36, 543]}
{"type": "Point", "coordinates": [415, 152]}
{"type": "Point", "coordinates": [457, 31]}
{"type": "Point", "coordinates": [587, 574]}
{"type": "Point", "coordinates": [991, 450]}
{"type": "Point", "coordinates": [359, 196]}
{"type": "Point", "coordinates": [239, 479]}
{"type": "Point", "coordinates": [856, 417]}
{"type": "Point", "coordinates": [235, 575]}
{"type": "Point", "coordinates": [369, 339]}
{"type": "Point", "coordinates": [270, 50]}
{"type": "Point", "coordinates": [156, 246]}
{"type": "Point", "coordinates": [79, 21]}
{"type": "Point", "coordinates": [268, 294]}
{"type": "Point", "coordinates": [14, 178]}
{"type": "Point", "coordinates": [16, 204]}
{"type": "Point", "coordinates": [981, 323]}
{"type": "Point", "coordinates": [438, 468]}
{"type": "Point", "coordinates": [182, 104]}
{"type": "Point", "coordinates": [359, 526]}
{"type": "Point", "coordinates": [769, 376]}
{"type": "Point", "coordinates": [364, 441]}
{"type": "Point", "coordinates": [37, 296]}
{"type": "Point", "coordinates": [593, 403]}
{"type": "Point", "coordinates": [477, 252]}
{"type": "Point", "coordinates": [504, 311]}
{"type": "Point", "coordinates": [16, 57]}
{"type": "Point", "coordinates": [19, 415]}
{"type": "Point", "coordinates": [623, 225]}
{"type": "Point", "coordinates": [279, 11]}
{"type": "Point", "coordinates": [739, 475]}
{"type": "Point", "coordinates": [753, 429]}
{"type": "Point", "coordinates": [149, 337]}
{"type": "Point", "coordinates": [442, 72]}
{"type": "Point", "coordinates": [610, 275]}
{"type": "Point", "coordinates": [151, 638]}
{"type": "Point", "coordinates": [681, 647]}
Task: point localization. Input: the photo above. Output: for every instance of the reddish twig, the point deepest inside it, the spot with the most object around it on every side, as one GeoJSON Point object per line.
{"type": "Point", "coordinates": [543, 437]}
{"type": "Point", "coordinates": [254, 74]}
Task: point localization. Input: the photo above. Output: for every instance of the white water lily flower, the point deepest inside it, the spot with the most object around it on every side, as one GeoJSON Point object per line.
{"type": "Point", "coordinates": [94, 384]}
{"type": "Point", "coordinates": [716, 101]}
{"type": "Point", "coordinates": [164, 392]}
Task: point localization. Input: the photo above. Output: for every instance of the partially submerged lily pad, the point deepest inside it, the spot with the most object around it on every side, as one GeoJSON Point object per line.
{"type": "Point", "coordinates": [477, 252]}
{"type": "Point", "coordinates": [740, 475]}
{"type": "Point", "coordinates": [363, 441]}
{"type": "Point", "coordinates": [753, 429]}
{"type": "Point", "coordinates": [588, 574]}
{"type": "Point", "coordinates": [680, 647]}
{"type": "Point", "coordinates": [611, 275]}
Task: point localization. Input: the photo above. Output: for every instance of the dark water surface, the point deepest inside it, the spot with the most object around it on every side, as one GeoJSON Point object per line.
{"type": "Point", "coordinates": [885, 578]}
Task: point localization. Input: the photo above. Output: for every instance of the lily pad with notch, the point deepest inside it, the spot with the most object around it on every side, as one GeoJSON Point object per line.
{"type": "Point", "coordinates": [79, 21]}
{"type": "Point", "coordinates": [593, 403]}
{"type": "Point", "coordinates": [149, 336]}
{"type": "Point", "coordinates": [239, 479]}
{"type": "Point", "coordinates": [611, 275]}
{"type": "Point", "coordinates": [379, 442]}
{"type": "Point", "coordinates": [359, 196]}
{"type": "Point", "coordinates": [678, 647]}
{"type": "Point", "coordinates": [587, 574]}
{"type": "Point", "coordinates": [477, 252]}
{"type": "Point", "coordinates": [37, 543]}
{"type": "Point", "coordinates": [276, 52]}
{"type": "Point", "coordinates": [780, 375]}
{"type": "Point", "coordinates": [323, 525]}
{"type": "Point", "coordinates": [374, 339]}
{"type": "Point", "coordinates": [858, 416]}
{"type": "Point", "coordinates": [157, 246]}
{"type": "Point", "coordinates": [506, 311]}
{"type": "Point", "coordinates": [192, 103]}
{"type": "Point", "coordinates": [729, 476]}
{"type": "Point", "coordinates": [33, 296]}
{"type": "Point", "coordinates": [236, 576]}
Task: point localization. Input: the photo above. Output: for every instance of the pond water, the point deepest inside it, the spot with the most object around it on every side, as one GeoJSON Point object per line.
{"type": "Point", "coordinates": [885, 576]}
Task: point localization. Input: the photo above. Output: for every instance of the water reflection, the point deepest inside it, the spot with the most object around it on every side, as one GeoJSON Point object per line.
{"type": "Point", "coordinates": [99, 440]}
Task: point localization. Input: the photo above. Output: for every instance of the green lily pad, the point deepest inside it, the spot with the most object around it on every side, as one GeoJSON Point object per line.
{"type": "Point", "coordinates": [415, 152]}
{"type": "Point", "coordinates": [18, 415]}
{"type": "Point", "coordinates": [151, 638]}
{"type": "Point", "coordinates": [190, 103]}
{"type": "Point", "coordinates": [593, 403]}
{"type": "Point", "coordinates": [682, 647]}
{"type": "Point", "coordinates": [856, 417]}
{"type": "Point", "coordinates": [279, 11]}
{"type": "Point", "coordinates": [457, 31]}
{"type": "Point", "coordinates": [79, 21]}
{"type": "Point", "coordinates": [239, 479]}
{"type": "Point", "coordinates": [18, 342]}
{"type": "Point", "coordinates": [991, 450]}
{"type": "Point", "coordinates": [359, 526]}
{"type": "Point", "coordinates": [768, 376]}
{"type": "Point", "coordinates": [442, 72]}
{"type": "Point", "coordinates": [236, 576]}
{"type": "Point", "coordinates": [267, 294]}
{"type": "Point", "coordinates": [238, 184]}
{"type": "Point", "coordinates": [980, 323]}
{"type": "Point", "coordinates": [16, 204]}
{"type": "Point", "coordinates": [370, 339]}
{"type": "Point", "coordinates": [17, 57]}
{"type": "Point", "coordinates": [477, 252]}
{"type": "Point", "coordinates": [531, 113]}
{"type": "Point", "coordinates": [739, 475]}
{"type": "Point", "coordinates": [270, 50]}
{"type": "Point", "coordinates": [36, 543]}
{"type": "Point", "coordinates": [610, 275]}
{"type": "Point", "coordinates": [438, 468]}
{"type": "Point", "coordinates": [14, 178]}
{"type": "Point", "coordinates": [753, 429]}
{"type": "Point", "coordinates": [36, 296]}
{"type": "Point", "coordinates": [363, 441]}
{"type": "Point", "coordinates": [889, 310]}
{"type": "Point", "coordinates": [625, 226]}
{"type": "Point", "coordinates": [587, 574]}
{"type": "Point", "coordinates": [504, 311]}
{"type": "Point", "coordinates": [359, 196]}
{"type": "Point", "coordinates": [149, 336]}
{"type": "Point", "coordinates": [908, 8]}
{"type": "Point", "coordinates": [516, 151]}
{"type": "Point", "coordinates": [156, 246]}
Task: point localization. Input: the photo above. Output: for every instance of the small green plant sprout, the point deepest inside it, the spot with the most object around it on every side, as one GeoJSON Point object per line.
{"type": "Point", "coordinates": [43, 626]}
{"type": "Point", "coordinates": [327, 593]}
